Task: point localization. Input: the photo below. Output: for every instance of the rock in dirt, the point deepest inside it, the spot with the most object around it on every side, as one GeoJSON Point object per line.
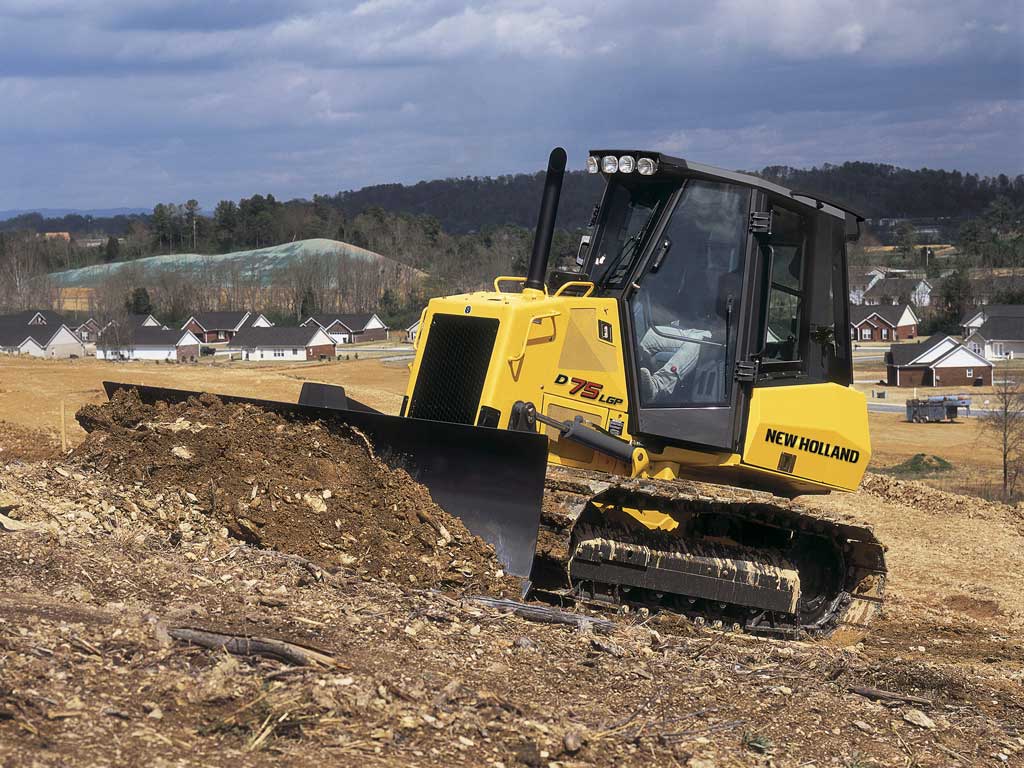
{"type": "Point", "coordinates": [919, 718]}
{"type": "Point", "coordinates": [322, 493]}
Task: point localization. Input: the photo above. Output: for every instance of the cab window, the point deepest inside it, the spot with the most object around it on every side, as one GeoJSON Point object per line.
{"type": "Point", "coordinates": [686, 308]}
{"type": "Point", "coordinates": [784, 252]}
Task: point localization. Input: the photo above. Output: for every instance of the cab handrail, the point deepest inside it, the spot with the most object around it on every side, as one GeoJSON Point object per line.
{"type": "Point", "coordinates": [510, 279]}
{"type": "Point", "coordinates": [589, 285]}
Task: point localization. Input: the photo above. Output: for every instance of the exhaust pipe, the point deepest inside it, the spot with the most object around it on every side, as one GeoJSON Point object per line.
{"type": "Point", "coordinates": [546, 220]}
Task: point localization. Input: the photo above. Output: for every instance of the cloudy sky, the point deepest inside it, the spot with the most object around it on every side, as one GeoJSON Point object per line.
{"type": "Point", "coordinates": [128, 102]}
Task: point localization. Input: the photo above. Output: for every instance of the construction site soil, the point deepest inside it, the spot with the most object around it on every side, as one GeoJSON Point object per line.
{"type": "Point", "coordinates": [294, 487]}
{"type": "Point", "coordinates": [134, 565]}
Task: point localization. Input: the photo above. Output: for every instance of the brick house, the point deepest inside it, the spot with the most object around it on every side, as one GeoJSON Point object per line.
{"type": "Point", "coordinates": [351, 328]}
{"type": "Point", "coordinates": [215, 327]}
{"type": "Point", "coordinates": [282, 342]}
{"type": "Point", "coordinates": [942, 361]}
{"type": "Point", "coordinates": [88, 331]}
{"type": "Point", "coordinates": [886, 322]}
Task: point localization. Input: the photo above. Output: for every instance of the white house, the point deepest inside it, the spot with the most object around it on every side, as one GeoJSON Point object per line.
{"type": "Point", "coordinates": [283, 343]}
{"type": "Point", "coordinates": [860, 280]}
{"type": "Point", "coordinates": [899, 290]}
{"type": "Point", "coordinates": [974, 320]}
{"type": "Point", "coordinates": [999, 338]}
{"type": "Point", "coordinates": [148, 343]}
{"type": "Point", "coordinates": [412, 332]}
{"type": "Point", "coordinates": [40, 340]}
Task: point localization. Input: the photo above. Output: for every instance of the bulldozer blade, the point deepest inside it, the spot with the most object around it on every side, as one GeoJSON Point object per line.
{"type": "Point", "coordinates": [330, 396]}
{"type": "Point", "coordinates": [491, 479]}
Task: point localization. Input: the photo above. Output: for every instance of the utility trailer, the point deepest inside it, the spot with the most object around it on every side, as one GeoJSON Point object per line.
{"type": "Point", "coordinates": [938, 408]}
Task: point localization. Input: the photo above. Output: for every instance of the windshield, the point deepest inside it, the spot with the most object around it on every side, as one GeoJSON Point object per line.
{"type": "Point", "coordinates": [685, 314]}
{"type": "Point", "coordinates": [628, 213]}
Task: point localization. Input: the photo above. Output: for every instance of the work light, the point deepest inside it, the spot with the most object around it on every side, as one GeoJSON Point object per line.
{"type": "Point", "coordinates": [646, 166]}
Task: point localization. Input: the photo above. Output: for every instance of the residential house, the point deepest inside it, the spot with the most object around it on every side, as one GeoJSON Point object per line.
{"type": "Point", "coordinates": [88, 331]}
{"type": "Point", "coordinates": [899, 290]}
{"type": "Point", "coordinates": [1000, 337]}
{"type": "Point", "coordinates": [350, 328]}
{"type": "Point", "coordinates": [885, 322]}
{"type": "Point", "coordinates": [149, 343]}
{"type": "Point", "coordinates": [860, 280]}
{"type": "Point", "coordinates": [216, 327]}
{"type": "Point", "coordinates": [144, 321]}
{"type": "Point", "coordinates": [258, 320]}
{"type": "Point", "coordinates": [39, 340]}
{"type": "Point", "coordinates": [282, 342]}
{"type": "Point", "coordinates": [34, 317]}
{"type": "Point", "coordinates": [941, 361]}
{"type": "Point", "coordinates": [976, 318]}
{"type": "Point", "coordinates": [413, 331]}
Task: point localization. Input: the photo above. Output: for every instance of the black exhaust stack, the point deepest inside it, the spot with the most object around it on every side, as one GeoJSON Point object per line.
{"type": "Point", "coordinates": [546, 220]}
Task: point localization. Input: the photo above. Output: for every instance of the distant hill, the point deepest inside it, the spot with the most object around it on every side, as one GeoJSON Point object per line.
{"type": "Point", "coordinates": [877, 190]}
{"type": "Point", "coordinates": [55, 213]}
{"type": "Point", "coordinates": [262, 262]}
{"type": "Point", "coordinates": [475, 203]}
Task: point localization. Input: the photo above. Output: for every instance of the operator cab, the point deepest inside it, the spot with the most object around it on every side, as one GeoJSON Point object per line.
{"type": "Point", "coordinates": [725, 282]}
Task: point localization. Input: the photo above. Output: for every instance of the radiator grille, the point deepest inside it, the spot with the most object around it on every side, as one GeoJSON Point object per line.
{"type": "Point", "coordinates": [453, 369]}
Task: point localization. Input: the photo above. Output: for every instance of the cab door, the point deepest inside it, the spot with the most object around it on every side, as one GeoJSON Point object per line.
{"type": "Point", "coordinates": [689, 315]}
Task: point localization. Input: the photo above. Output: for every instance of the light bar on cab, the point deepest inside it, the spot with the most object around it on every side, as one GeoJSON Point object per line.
{"type": "Point", "coordinates": [645, 166]}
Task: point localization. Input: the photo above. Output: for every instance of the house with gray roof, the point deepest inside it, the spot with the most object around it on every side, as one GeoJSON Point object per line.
{"type": "Point", "coordinates": [976, 317]}
{"type": "Point", "coordinates": [885, 322]}
{"type": "Point", "coordinates": [941, 361]}
{"type": "Point", "coordinates": [216, 327]}
{"type": "Point", "coordinates": [169, 345]}
{"type": "Point", "coordinates": [351, 328]}
{"type": "Point", "coordinates": [899, 290]}
{"type": "Point", "coordinates": [49, 339]}
{"type": "Point", "coordinates": [999, 337]}
{"type": "Point", "coordinates": [283, 343]}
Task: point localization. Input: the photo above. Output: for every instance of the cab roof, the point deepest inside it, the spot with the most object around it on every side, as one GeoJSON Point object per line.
{"type": "Point", "coordinates": [683, 167]}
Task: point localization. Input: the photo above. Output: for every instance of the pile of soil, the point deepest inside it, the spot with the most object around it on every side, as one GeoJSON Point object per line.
{"type": "Point", "coordinates": [298, 487]}
{"type": "Point", "coordinates": [24, 444]}
{"type": "Point", "coordinates": [919, 495]}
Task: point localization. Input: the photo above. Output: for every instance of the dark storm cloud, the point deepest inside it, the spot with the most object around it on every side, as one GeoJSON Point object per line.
{"type": "Point", "coordinates": [126, 103]}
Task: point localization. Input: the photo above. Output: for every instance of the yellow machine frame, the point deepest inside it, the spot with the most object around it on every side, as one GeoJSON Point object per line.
{"type": "Point", "coordinates": [799, 438]}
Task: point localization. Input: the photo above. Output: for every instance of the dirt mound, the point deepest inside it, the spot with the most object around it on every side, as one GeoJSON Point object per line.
{"type": "Point", "coordinates": [24, 444]}
{"type": "Point", "coordinates": [921, 496]}
{"type": "Point", "coordinates": [295, 487]}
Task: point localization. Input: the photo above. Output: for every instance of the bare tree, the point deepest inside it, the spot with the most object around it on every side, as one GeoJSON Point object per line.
{"type": "Point", "coordinates": [1005, 420]}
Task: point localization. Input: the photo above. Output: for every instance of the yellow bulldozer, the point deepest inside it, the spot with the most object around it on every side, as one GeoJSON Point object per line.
{"type": "Point", "coordinates": [630, 432]}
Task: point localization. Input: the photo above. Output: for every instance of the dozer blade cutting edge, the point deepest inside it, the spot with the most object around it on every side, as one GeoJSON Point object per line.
{"type": "Point", "coordinates": [491, 479]}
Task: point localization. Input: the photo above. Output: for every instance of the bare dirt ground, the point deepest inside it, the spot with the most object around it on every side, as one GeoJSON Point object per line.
{"type": "Point", "coordinates": [112, 556]}
{"type": "Point", "coordinates": [31, 390]}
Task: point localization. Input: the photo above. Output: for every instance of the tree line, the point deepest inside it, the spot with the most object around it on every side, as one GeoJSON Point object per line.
{"type": "Point", "coordinates": [460, 233]}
